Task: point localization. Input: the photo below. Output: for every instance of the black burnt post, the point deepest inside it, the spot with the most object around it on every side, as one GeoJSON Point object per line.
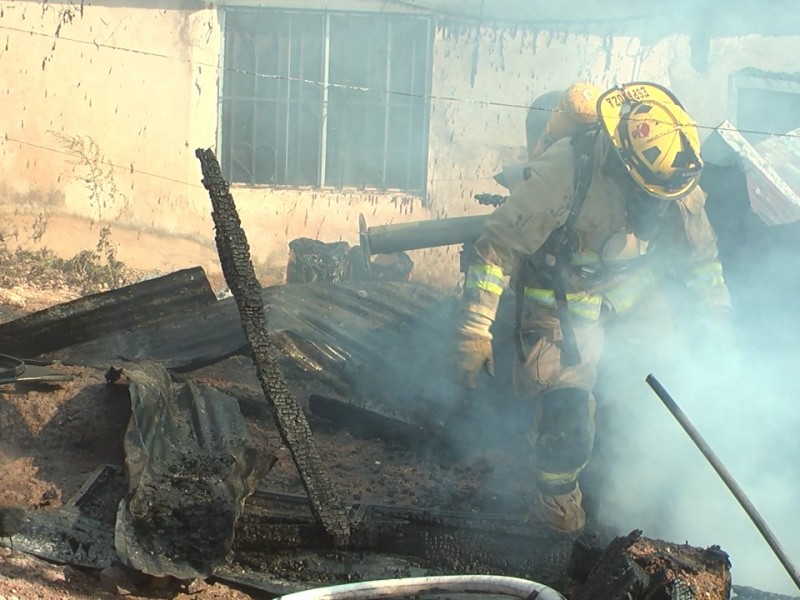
{"type": "Point", "coordinates": [237, 267]}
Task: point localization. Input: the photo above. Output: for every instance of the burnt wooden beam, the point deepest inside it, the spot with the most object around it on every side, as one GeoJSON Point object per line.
{"type": "Point", "coordinates": [280, 547]}
{"type": "Point", "coordinates": [276, 525]}
{"type": "Point", "coordinates": [237, 267]}
{"type": "Point", "coordinates": [105, 313]}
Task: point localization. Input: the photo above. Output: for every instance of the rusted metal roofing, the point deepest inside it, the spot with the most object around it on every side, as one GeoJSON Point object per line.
{"type": "Point", "coordinates": [772, 168]}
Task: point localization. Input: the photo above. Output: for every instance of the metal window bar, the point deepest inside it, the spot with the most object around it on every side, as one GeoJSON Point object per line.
{"type": "Point", "coordinates": [323, 146]}
{"type": "Point", "coordinates": [256, 111]}
{"type": "Point", "coordinates": [223, 61]}
{"type": "Point", "coordinates": [387, 100]}
{"type": "Point", "coordinates": [425, 108]}
{"type": "Point", "coordinates": [289, 110]}
{"type": "Point", "coordinates": [283, 104]}
{"type": "Point", "coordinates": [409, 154]}
{"type": "Point", "coordinates": [289, 82]}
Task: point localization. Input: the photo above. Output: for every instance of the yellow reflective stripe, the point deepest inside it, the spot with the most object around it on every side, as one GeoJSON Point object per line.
{"type": "Point", "coordinates": [628, 292]}
{"type": "Point", "coordinates": [709, 274]}
{"type": "Point", "coordinates": [582, 304]}
{"type": "Point", "coordinates": [485, 277]}
{"type": "Point", "coordinates": [493, 270]}
{"type": "Point", "coordinates": [561, 478]}
{"type": "Point", "coordinates": [585, 259]}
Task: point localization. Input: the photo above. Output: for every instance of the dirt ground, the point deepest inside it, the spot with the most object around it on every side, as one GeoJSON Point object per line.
{"type": "Point", "coordinates": [52, 437]}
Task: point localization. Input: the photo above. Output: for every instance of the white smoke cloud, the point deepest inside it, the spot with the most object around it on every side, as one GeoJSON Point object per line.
{"type": "Point", "coordinates": [659, 481]}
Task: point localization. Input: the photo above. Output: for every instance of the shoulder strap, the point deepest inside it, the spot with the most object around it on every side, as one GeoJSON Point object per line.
{"type": "Point", "coordinates": [558, 251]}
{"type": "Point", "coordinates": [561, 243]}
{"type": "Point", "coordinates": [584, 169]}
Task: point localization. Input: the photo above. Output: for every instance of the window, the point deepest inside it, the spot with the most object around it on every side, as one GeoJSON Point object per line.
{"type": "Point", "coordinates": [765, 102]}
{"type": "Point", "coordinates": [325, 99]}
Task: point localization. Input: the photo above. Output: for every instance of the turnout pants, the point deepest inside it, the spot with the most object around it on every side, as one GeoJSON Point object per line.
{"type": "Point", "coordinates": [563, 428]}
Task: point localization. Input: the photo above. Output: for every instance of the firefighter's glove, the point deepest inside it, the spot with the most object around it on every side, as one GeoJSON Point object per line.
{"type": "Point", "coordinates": [473, 351]}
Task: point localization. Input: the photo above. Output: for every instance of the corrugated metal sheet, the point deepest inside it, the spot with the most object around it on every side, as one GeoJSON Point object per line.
{"type": "Point", "coordinates": [772, 169]}
{"type": "Point", "coordinates": [345, 316]}
{"type": "Point", "coordinates": [382, 344]}
{"type": "Point", "coordinates": [189, 470]}
{"type": "Point", "coordinates": [94, 316]}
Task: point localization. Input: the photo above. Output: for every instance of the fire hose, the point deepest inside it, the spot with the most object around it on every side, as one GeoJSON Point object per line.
{"type": "Point", "coordinates": [726, 477]}
{"type": "Point", "coordinates": [413, 586]}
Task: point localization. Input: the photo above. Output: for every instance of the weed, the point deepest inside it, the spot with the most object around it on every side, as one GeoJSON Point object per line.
{"type": "Point", "coordinates": [89, 271]}
{"type": "Point", "coordinates": [98, 177]}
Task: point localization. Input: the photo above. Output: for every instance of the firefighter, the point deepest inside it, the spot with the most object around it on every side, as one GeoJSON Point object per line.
{"type": "Point", "coordinates": [600, 219]}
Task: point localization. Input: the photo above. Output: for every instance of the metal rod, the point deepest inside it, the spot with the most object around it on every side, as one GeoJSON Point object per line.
{"type": "Point", "coordinates": [712, 458]}
{"type": "Point", "coordinates": [326, 72]}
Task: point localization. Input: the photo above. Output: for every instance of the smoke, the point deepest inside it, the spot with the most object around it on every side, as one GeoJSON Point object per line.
{"type": "Point", "coordinates": [741, 400]}
{"type": "Point", "coordinates": [412, 379]}
{"type": "Point", "coordinates": [646, 472]}
{"type": "Point", "coordinates": [649, 475]}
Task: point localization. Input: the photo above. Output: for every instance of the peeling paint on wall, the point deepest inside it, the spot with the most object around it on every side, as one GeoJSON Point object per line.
{"type": "Point", "coordinates": [143, 83]}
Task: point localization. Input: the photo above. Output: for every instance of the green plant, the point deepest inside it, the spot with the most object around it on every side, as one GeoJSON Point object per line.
{"type": "Point", "coordinates": [99, 269]}
{"type": "Point", "coordinates": [88, 272]}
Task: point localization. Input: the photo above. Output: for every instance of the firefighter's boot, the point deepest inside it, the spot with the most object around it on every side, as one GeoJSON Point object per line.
{"type": "Point", "coordinates": [562, 513]}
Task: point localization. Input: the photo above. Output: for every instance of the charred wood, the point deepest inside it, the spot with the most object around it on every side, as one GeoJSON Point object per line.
{"type": "Point", "coordinates": [275, 525]}
{"type": "Point", "coordinates": [237, 267]}
{"type": "Point", "coordinates": [363, 422]}
{"type": "Point", "coordinates": [640, 568]}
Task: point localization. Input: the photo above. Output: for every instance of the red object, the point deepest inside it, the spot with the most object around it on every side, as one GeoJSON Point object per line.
{"type": "Point", "coordinates": [643, 130]}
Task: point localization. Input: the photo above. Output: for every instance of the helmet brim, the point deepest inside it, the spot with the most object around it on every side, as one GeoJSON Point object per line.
{"type": "Point", "coordinates": [661, 191]}
{"type": "Point", "coordinates": [610, 106]}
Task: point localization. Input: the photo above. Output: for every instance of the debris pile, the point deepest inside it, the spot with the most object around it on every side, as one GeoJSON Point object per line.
{"type": "Point", "coordinates": [636, 567]}
{"type": "Point", "coordinates": [336, 262]}
{"type": "Point", "coordinates": [189, 469]}
{"type": "Point", "coordinates": [312, 260]}
{"type": "Point", "coordinates": [171, 501]}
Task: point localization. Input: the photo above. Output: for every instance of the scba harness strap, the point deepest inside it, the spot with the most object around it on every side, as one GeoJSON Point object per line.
{"type": "Point", "coordinates": [552, 261]}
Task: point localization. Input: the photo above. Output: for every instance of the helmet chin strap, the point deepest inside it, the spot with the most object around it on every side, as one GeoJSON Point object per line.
{"type": "Point", "coordinates": [644, 211]}
{"type": "Point", "coordinates": [644, 214]}
{"type": "Point", "coordinates": [614, 168]}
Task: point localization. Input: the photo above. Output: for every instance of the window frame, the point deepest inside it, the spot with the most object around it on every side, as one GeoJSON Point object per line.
{"type": "Point", "coordinates": [425, 113]}
{"type": "Point", "coordinates": [787, 83]}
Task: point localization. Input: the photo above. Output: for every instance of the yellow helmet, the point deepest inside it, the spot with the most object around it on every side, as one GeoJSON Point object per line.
{"type": "Point", "coordinates": [656, 139]}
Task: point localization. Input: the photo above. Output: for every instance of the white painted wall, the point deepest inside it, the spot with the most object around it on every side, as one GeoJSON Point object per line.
{"type": "Point", "coordinates": [142, 84]}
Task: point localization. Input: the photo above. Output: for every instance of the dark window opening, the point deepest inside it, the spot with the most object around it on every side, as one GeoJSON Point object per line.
{"type": "Point", "coordinates": [766, 105]}
{"type": "Point", "coordinates": [325, 99]}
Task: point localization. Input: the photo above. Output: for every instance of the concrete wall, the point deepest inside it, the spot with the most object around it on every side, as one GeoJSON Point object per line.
{"type": "Point", "coordinates": [104, 111]}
